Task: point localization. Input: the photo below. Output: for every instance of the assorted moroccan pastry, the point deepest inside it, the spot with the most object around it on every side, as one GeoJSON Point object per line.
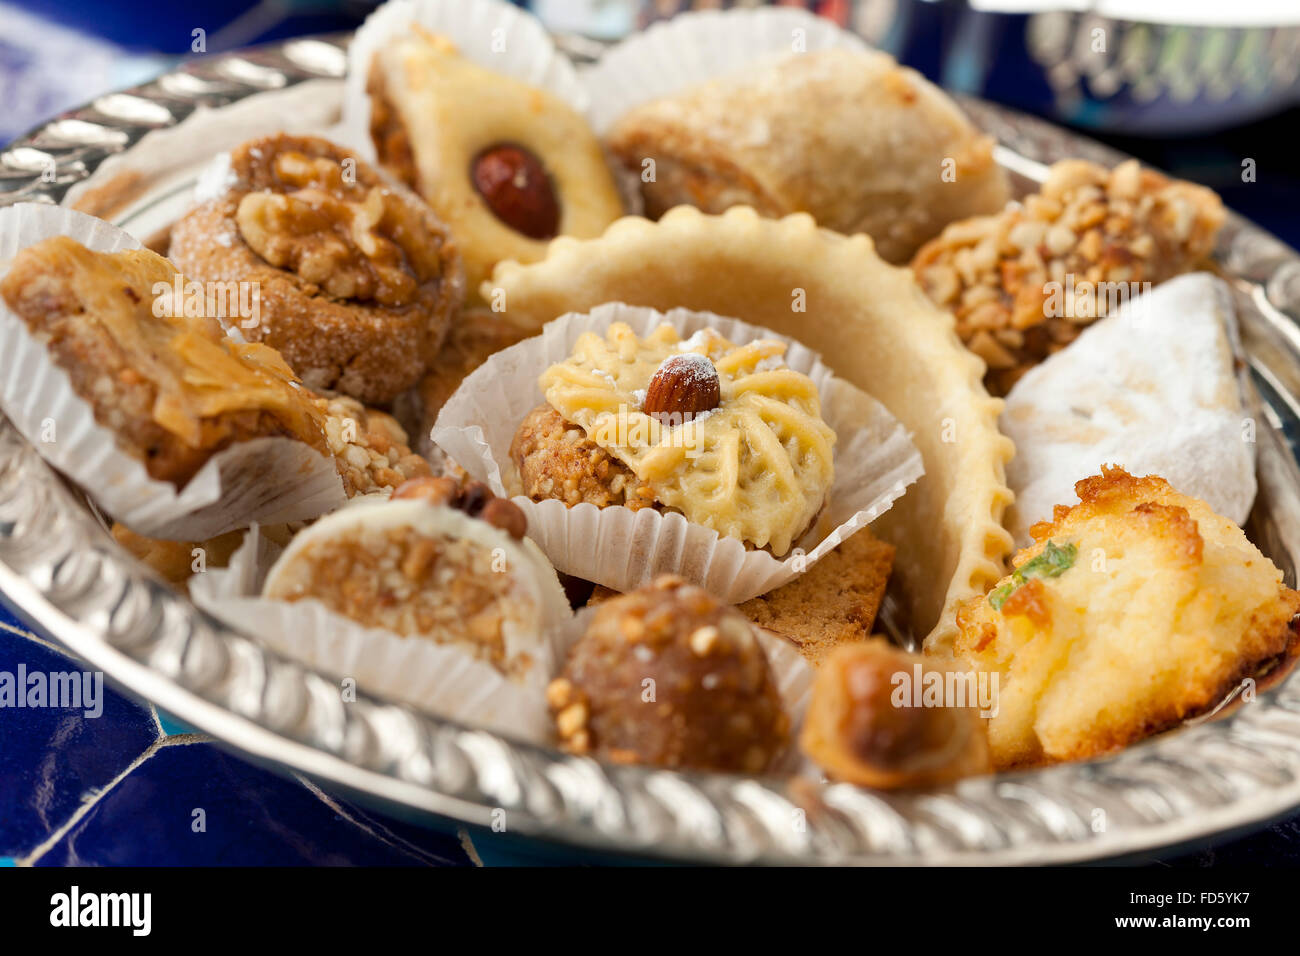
{"type": "Point", "coordinates": [749, 423]}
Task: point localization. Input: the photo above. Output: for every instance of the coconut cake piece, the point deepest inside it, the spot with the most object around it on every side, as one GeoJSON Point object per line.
{"type": "Point", "coordinates": [1134, 610]}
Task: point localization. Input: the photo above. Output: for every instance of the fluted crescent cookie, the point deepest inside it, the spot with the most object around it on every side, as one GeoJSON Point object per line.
{"type": "Point", "coordinates": [874, 327]}
{"type": "Point", "coordinates": [434, 112]}
{"type": "Point", "coordinates": [757, 467]}
{"type": "Point", "coordinates": [861, 143]}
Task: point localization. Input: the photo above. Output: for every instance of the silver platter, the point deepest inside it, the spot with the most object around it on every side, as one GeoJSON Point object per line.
{"type": "Point", "coordinates": [60, 569]}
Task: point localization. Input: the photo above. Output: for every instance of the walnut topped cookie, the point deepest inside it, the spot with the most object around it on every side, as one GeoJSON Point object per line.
{"type": "Point", "coordinates": [357, 279]}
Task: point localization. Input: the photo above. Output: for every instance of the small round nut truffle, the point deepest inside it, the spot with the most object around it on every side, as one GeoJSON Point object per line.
{"type": "Point", "coordinates": [671, 677]}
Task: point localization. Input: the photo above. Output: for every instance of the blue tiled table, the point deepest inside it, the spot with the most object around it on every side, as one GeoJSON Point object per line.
{"type": "Point", "coordinates": [132, 787]}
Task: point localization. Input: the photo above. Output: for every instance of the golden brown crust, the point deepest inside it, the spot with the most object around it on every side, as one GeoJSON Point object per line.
{"type": "Point", "coordinates": [1086, 225]}
{"type": "Point", "coordinates": [851, 137]}
{"type": "Point", "coordinates": [1163, 610]}
{"type": "Point", "coordinates": [96, 313]}
{"type": "Point", "coordinates": [834, 602]}
{"type": "Point", "coordinates": [369, 447]}
{"type": "Point", "coordinates": [670, 677]}
{"type": "Point", "coordinates": [358, 279]}
{"type": "Point", "coordinates": [556, 459]}
{"type": "Point", "coordinates": [435, 112]}
{"type": "Point", "coordinates": [866, 726]}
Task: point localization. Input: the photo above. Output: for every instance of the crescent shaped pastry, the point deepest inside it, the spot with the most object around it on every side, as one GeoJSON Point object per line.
{"type": "Point", "coordinates": [874, 326]}
{"type": "Point", "coordinates": [851, 137]}
{"type": "Point", "coordinates": [505, 165]}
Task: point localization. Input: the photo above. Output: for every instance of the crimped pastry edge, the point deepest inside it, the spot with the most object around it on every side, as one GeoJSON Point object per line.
{"type": "Point", "coordinates": [713, 263]}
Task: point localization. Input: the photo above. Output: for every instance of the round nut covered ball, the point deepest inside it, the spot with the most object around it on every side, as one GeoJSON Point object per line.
{"type": "Point", "coordinates": [669, 676]}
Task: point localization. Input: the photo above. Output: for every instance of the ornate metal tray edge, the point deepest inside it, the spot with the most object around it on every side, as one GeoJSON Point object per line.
{"type": "Point", "coordinates": [59, 569]}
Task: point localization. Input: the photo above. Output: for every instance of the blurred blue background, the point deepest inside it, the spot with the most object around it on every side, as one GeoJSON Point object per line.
{"type": "Point", "coordinates": [1194, 86]}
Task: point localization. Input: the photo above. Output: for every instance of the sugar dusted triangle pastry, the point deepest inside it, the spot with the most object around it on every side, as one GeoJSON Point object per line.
{"type": "Point", "coordinates": [1152, 388]}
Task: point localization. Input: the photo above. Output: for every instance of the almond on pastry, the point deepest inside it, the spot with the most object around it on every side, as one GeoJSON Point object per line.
{"type": "Point", "coordinates": [506, 165]}
{"type": "Point", "coordinates": [1134, 610]}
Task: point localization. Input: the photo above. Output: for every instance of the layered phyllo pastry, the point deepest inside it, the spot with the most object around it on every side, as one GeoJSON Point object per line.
{"type": "Point", "coordinates": [861, 143]}
{"type": "Point", "coordinates": [357, 279]}
{"type": "Point", "coordinates": [724, 434]}
{"type": "Point", "coordinates": [173, 388]}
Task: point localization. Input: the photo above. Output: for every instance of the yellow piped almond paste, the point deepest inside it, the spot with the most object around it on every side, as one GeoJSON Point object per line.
{"type": "Point", "coordinates": [757, 467]}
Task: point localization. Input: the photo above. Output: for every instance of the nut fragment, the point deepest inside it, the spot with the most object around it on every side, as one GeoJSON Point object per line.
{"type": "Point", "coordinates": [474, 498]}
{"type": "Point", "coordinates": [682, 387]}
{"type": "Point", "coordinates": [515, 185]}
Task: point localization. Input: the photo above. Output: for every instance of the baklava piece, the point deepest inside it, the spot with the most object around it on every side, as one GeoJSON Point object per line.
{"type": "Point", "coordinates": [508, 166]}
{"type": "Point", "coordinates": [1024, 282]}
{"type": "Point", "coordinates": [357, 279]}
{"type": "Point", "coordinates": [881, 717]}
{"type": "Point", "coordinates": [668, 676]}
{"type": "Point", "coordinates": [861, 143]}
{"type": "Point", "coordinates": [1134, 610]}
{"type": "Point", "coordinates": [172, 387]}
{"type": "Point", "coordinates": [439, 561]}
{"type": "Point", "coordinates": [725, 434]}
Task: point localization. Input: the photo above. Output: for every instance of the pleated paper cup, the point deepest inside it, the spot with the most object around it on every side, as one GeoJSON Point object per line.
{"type": "Point", "coordinates": [495, 35]}
{"type": "Point", "coordinates": [272, 480]}
{"type": "Point", "coordinates": [440, 679]}
{"type": "Point", "coordinates": [693, 48]}
{"type": "Point", "coordinates": [874, 460]}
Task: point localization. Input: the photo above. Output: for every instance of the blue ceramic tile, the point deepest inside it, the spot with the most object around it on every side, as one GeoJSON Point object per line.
{"type": "Point", "coordinates": [171, 726]}
{"type": "Point", "coordinates": [435, 846]}
{"type": "Point", "coordinates": [52, 757]}
{"type": "Point", "coordinates": [249, 816]}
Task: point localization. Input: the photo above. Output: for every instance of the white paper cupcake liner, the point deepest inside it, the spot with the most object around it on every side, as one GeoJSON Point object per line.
{"type": "Point", "coordinates": [694, 47]}
{"type": "Point", "coordinates": [875, 461]}
{"type": "Point", "coordinates": [492, 33]}
{"type": "Point", "coordinates": [439, 679]}
{"type": "Point", "coordinates": [271, 480]}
